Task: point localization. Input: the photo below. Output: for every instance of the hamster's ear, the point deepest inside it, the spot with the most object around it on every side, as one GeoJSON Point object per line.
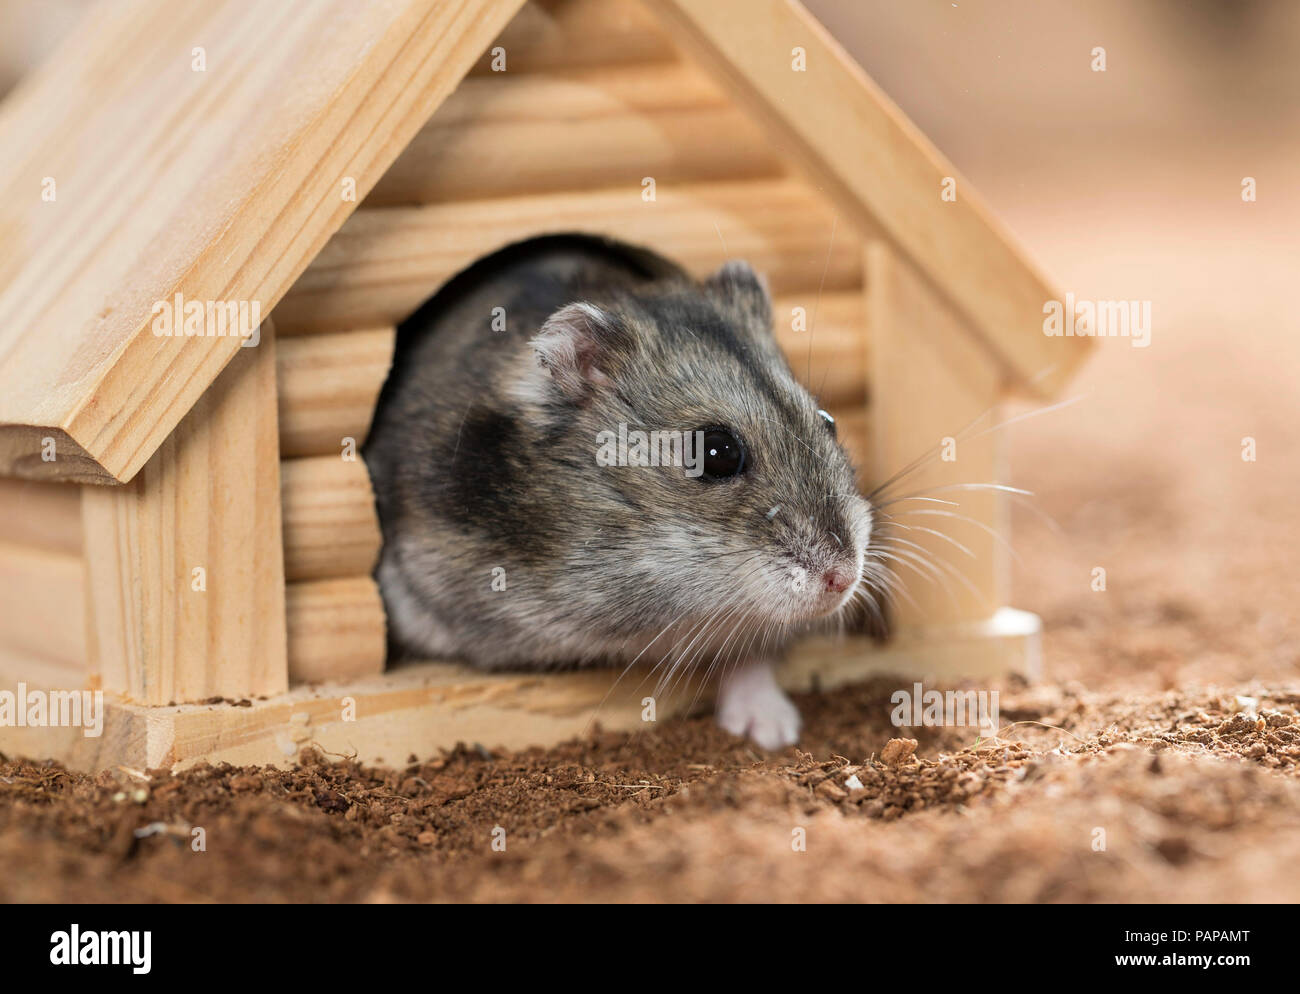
{"type": "Point", "coordinates": [740, 290]}
{"type": "Point", "coordinates": [577, 345]}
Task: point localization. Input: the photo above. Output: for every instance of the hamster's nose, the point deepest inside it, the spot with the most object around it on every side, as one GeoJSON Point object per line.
{"type": "Point", "coordinates": [838, 579]}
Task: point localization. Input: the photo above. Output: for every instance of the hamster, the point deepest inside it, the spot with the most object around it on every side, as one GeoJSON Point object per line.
{"type": "Point", "coordinates": [522, 526]}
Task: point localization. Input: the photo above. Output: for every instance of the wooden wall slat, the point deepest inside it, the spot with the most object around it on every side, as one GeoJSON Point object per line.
{"type": "Point", "coordinates": [328, 385]}
{"type": "Point", "coordinates": [384, 262]}
{"type": "Point", "coordinates": [511, 133]}
{"type": "Point", "coordinates": [337, 629]}
{"type": "Point", "coordinates": [331, 528]}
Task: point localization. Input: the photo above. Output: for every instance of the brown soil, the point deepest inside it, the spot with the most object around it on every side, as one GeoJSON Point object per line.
{"type": "Point", "coordinates": [1197, 797]}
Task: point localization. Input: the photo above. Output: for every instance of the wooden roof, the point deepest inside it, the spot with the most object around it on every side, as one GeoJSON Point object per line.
{"type": "Point", "coordinates": [220, 184]}
{"type": "Point", "coordinates": [223, 184]}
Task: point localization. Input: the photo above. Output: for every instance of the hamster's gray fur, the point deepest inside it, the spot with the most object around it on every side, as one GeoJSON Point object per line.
{"type": "Point", "coordinates": [506, 544]}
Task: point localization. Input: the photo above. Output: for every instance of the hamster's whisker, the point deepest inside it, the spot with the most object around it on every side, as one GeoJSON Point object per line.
{"type": "Point", "coordinates": [749, 642]}
{"type": "Point", "coordinates": [1026, 415]}
{"type": "Point", "coordinates": [822, 385]}
{"type": "Point", "coordinates": [770, 629]}
{"type": "Point", "coordinates": [937, 534]}
{"type": "Point", "coordinates": [919, 567]}
{"type": "Point", "coordinates": [899, 500]}
{"type": "Point", "coordinates": [964, 435]}
{"type": "Point", "coordinates": [718, 655]}
{"type": "Point", "coordinates": [740, 618]}
{"type": "Point", "coordinates": [1015, 494]}
{"type": "Point", "coordinates": [984, 526]}
{"type": "Point", "coordinates": [703, 626]}
{"type": "Point", "coordinates": [626, 669]}
{"type": "Point", "coordinates": [903, 473]}
{"type": "Point", "coordinates": [669, 658]}
{"type": "Point", "coordinates": [456, 451]}
{"type": "Point", "coordinates": [887, 581]}
{"type": "Point", "coordinates": [749, 614]}
{"type": "Point", "coordinates": [687, 660]}
{"type": "Point", "coordinates": [937, 569]}
{"type": "Point", "coordinates": [680, 666]}
{"type": "Point", "coordinates": [692, 637]}
{"type": "Point", "coordinates": [847, 494]}
{"type": "Point", "coordinates": [692, 664]}
{"type": "Point", "coordinates": [935, 561]}
{"type": "Point", "coordinates": [1052, 524]}
{"type": "Point", "coordinates": [893, 584]}
{"type": "Point", "coordinates": [867, 593]}
{"type": "Point", "coordinates": [924, 459]}
{"type": "Point", "coordinates": [1004, 488]}
{"type": "Point", "coordinates": [870, 591]}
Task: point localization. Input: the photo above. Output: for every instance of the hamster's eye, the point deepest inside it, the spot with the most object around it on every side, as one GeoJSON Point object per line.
{"type": "Point", "coordinates": [830, 423]}
{"type": "Point", "coordinates": [724, 456]}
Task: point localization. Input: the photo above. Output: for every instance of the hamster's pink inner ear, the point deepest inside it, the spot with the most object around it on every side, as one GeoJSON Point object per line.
{"type": "Point", "coordinates": [576, 346]}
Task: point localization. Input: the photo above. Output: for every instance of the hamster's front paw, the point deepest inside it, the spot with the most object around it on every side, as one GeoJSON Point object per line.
{"type": "Point", "coordinates": [751, 704]}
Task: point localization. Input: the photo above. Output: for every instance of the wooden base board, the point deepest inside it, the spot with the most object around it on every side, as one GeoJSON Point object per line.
{"type": "Point", "coordinates": [419, 708]}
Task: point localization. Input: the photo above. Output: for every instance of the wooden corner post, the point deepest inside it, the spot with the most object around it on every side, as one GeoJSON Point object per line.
{"type": "Point", "coordinates": [935, 396]}
{"type": "Point", "coordinates": [185, 564]}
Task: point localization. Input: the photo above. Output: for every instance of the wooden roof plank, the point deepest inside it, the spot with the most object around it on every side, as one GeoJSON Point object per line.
{"type": "Point", "coordinates": [224, 182]}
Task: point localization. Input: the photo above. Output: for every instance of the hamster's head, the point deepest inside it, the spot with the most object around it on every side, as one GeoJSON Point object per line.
{"type": "Point", "coordinates": [711, 477]}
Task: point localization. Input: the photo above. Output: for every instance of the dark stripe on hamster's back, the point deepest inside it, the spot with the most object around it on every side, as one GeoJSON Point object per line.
{"type": "Point", "coordinates": [484, 477]}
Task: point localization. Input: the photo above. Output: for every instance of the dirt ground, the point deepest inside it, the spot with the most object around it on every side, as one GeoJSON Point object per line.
{"type": "Point", "coordinates": [1160, 760]}
{"type": "Point", "coordinates": [1198, 800]}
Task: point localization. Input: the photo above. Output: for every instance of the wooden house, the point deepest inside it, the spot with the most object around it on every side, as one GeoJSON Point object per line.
{"type": "Point", "coordinates": [184, 521]}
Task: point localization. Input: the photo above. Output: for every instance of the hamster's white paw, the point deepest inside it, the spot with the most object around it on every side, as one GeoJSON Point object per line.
{"type": "Point", "coordinates": [751, 704]}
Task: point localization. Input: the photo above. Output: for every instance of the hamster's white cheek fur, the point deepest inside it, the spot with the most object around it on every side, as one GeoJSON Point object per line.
{"type": "Point", "coordinates": [751, 704]}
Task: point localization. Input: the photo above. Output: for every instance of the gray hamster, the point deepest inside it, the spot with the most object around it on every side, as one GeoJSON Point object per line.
{"type": "Point", "coordinates": [526, 527]}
